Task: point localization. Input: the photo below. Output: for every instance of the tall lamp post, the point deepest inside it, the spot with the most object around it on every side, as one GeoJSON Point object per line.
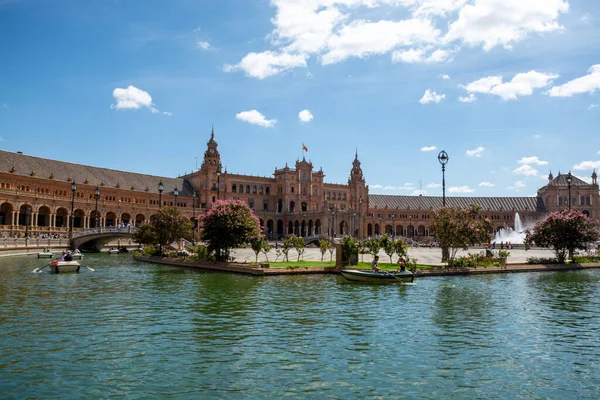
{"type": "Point", "coordinates": [569, 180]}
{"type": "Point", "coordinates": [380, 219]}
{"type": "Point", "coordinates": [160, 190]}
{"type": "Point", "coordinates": [27, 217]}
{"type": "Point", "coordinates": [218, 181]}
{"type": "Point", "coordinates": [96, 196]}
{"type": "Point", "coordinates": [72, 222]}
{"type": "Point", "coordinates": [176, 193]}
{"type": "Point", "coordinates": [194, 217]}
{"type": "Point", "coordinates": [393, 226]}
{"type": "Point", "coordinates": [443, 159]}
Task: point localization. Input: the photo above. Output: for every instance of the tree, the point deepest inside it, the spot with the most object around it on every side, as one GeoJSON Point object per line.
{"type": "Point", "coordinates": [228, 224]}
{"type": "Point", "coordinates": [299, 244]}
{"type": "Point", "coordinates": [166, 226]}
{"type": "Point", "coordinates": [258, 244]}
{"type": "Point", "coordinates": [286, 245]}
{"type": "Point", "coordinates": [388, 246]}
{"type": "Point", "coordinates": [373, 245]}
{"type": "Point", "coordinates": [401, 248]}
{"type": "Point", "coordinates": [563, 231]}
{"type": "Point", "coordinates": [457, 228]}
{"type": "Point", "coordinates": [324, 245]}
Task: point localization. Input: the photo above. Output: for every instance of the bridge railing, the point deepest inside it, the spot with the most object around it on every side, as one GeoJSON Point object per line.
{"type": "Point", "coordinates": [105, 229]}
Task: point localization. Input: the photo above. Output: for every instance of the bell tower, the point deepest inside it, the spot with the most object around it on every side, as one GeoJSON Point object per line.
{"type": "Point", "coordinates": [359, 191]}
{"type": "Point", "coordinates": [212, 158]}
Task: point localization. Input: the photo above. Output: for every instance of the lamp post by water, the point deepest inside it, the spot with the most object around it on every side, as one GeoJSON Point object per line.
{"type": "Point", "coordinates": [160, 190]}
{"type": "Point", "coordinates": [27, 217]}
{"type": "Point", "coordinates": [194, 217]}
{"type": "Point", "coordinates": [393, 226]}
{"type": "Point", "coordinates": [96, 196]}
{"type": "Point", "coordinates": [218, 182]}
{"type": "Point", "coordinates": [176, 193]}
{"type": "Point", "coordinates": [443, 159]}
{"type": "Point", "coordinates": [72, 222]}
{"type": "Point", "coordinates": [380, 219]}
{"type": "Point", "coordinates": [569, 180]}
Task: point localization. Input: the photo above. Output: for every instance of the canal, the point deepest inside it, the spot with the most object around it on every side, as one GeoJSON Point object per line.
{"type": "Point", "coordinates": [141, 331]}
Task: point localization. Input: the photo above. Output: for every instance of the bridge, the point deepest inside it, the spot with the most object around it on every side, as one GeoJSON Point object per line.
{"type": "Point", "coordinates": [95, 238]}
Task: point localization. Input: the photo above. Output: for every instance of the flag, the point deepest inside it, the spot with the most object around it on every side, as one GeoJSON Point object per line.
{"type": "Point", "coordinates": [304, 147]}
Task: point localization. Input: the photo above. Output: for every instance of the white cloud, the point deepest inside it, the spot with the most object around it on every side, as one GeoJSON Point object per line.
{"type": "Point", "coordinates": [476, 152]}
{"type": "Point", "coordinates": [202, 44]}
{"type": "Point", "coordinates": [434, 185]}
{"type": "Point", "coordinates": [492, 23]}
{"type": "Point", "coordinates": [522, 84]}
{"type": "Point", "coordinates": [132, 98]}
{"type": "Point", "coordinates": [532, 160]}
{"type": "Point", "coordinates": [267, 63]}
{"type": "Point", "coordinates": [586, 179]}
{"type": "Point", "coordinates": [444, 77]}
{"type": "Point", "coordinates": [407, 186]}
{"type": "Point", "coordinates": [361, 38]}
{"type": "Point", "coordinates": [468, 99]}
{"type": "Point", "coordinates": [389, 188]}
{"type": "Point", "coordinates": [418, 192]}
{"type": "Point", "coordinates": [431, 97]}
{"type": "Point", "coordinates": [537, 136]}
{"type": "Point", "coordinates": [486, 184]}
{"type": "Point", "coordinates": [460, 189]}
{"type": "Point", "coordinates": [376, 186]}
{"type": "Point", "coordinates": [592, 106]}
{"type": "Point", "coordinates": [305, 116]}
{"type": "Point", "coordinates": [256, 118]}
{"type": "Point", "coordinates": [585, 84]}
{"type": "Point", "coordinates": [526, 170]}
{"type": "Point", "coordinates": [428, 148]}
{"type": "Point", "coordinates": [167, 113]}
{"type": "Point", "coordinates": [587, 165]}
{"type": "Point", "coordinates": [517, 186]}
{"type": "Point", "coordinates": [421, 56]}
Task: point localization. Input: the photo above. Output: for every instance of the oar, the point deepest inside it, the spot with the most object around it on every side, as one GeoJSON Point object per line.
{"type": "Point", "coordinates": [41, 268]}
{"type": "Point", "coordinates": [387, 273]}
{"type": "Point", "coordinates": [90, 268]}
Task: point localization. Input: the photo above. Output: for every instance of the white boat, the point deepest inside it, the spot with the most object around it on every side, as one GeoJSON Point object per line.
{"type": "Point", "coordinates": [354, 275]}
{"type": "Point", "coordinates": [45, 254]}
{"type": "Point", "coordinates": [64, 266]}
{"type": "Point", "coordinates": [113, 251]}
{"type": "Point", "coordinates": [77, 256]}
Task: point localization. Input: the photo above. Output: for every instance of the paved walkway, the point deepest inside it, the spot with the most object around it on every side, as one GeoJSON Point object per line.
{"type": "Point", "coordinates": [423, 255]}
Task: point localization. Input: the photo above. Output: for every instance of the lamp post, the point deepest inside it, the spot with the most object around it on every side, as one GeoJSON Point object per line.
{"type": "Point", "coordinates": [218, 181]}
{"type": "Point", "coordinates": [176, 193]}
{"type": "Point", "coordinates": [443, 159]}
{"type": "Point", "coordinates": [27, 216]}
{"type": "Point", "coordinates": [569, 180]}
{"type": "Point", "coordinates": [410, 225]}
{"type": "Point", "coordinates": [73, 190]}
{"type": "Point", "coordinates": [380, 219]}
{"type": "Point", "coordinates": [393, 226]}
{"type": "Point", "coordinates": [160, 190]}
{"type": "Point", "coordinates": [194, 217]}
{"type": "Point", "coordinates": [355, 230]}
{"type": "Point", "coordinates": [360, 201]}
{"type": "Point", "coordinates": [96, 196]}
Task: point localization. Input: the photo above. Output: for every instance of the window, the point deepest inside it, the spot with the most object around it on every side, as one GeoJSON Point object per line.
{"type": "Point", "coordinates": [254, 189]}
{"type": "Point", "coordinates": [268, 190]}
{"type": "Point", "coordinates": [247, 188]}
{"type": "Point", "coordinates": [234, 188]}
{"type": "Point", "coordinates": [251, 203]}
{"type": "Point", "coordinates": [260, 190]}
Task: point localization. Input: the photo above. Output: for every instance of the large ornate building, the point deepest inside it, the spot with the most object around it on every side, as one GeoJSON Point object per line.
{"type": "Point", "coordinates": [38, 196]}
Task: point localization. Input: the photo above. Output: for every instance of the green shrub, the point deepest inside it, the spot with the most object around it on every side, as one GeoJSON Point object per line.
{"type": "Point", "coordinates": [542, 260]}
{"type": "Point", "coordinates": [585, 259]}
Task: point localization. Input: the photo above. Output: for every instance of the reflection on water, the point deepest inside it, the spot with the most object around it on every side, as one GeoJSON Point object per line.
{"type": "Point", "coordinates": [148, 331]}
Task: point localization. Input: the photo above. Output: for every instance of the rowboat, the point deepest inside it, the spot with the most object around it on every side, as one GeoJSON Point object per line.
{"type": "Point", "coordinates": [77, 256]}
{"type": "Point", "coordinates": [355, 275]}
{"type": "Point", "coordinates": [113, 251]}
{"type": "Point", "coordinates": [45, 254]}
{"type": "Point", "coordinates": [64, 266]}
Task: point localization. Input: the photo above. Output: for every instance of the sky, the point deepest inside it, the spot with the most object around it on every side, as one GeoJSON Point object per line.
{"type": "Point", "coordinates": [510, 89]}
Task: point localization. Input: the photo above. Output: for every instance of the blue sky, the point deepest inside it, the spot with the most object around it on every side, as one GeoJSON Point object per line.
{"type": "Point", "coordinates": [509, 88]}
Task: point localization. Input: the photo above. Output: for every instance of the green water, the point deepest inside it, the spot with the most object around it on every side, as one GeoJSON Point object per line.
{"type": "Point", "coordinates": [138, 331]}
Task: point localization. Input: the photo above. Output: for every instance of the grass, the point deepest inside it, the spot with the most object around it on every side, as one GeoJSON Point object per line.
{"type": "Point", "coordinates": [319, 264]}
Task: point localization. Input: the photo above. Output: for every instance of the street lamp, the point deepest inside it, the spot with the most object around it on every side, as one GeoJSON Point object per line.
{"type": "Point", "coordinates": [27, 216]}
{"type": "Point", "coordinates": [96, 196]}
{"type": "Point", "coordinates": [569, 180]}
{"type": "Point", "coordinates": [218, 181]}
{"type": "Point", "coordinates": [443, 159]}
{"type": "Point", "coordinates": [194, 217]}
{"type": "Point", "coordinates": [73, 190]}
{"type": "Point", "coordinates": [331, 222]}
{"type": "Point", "coordinates": [393, 226]}
{"type": "Point", "coordinates": [176, 193]}
{"type": "Point", "coordinates": [160, 190]}
{"type": "Point", "coordinates": [380, 219]}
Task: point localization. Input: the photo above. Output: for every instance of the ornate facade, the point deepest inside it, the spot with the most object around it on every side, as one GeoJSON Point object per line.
{"type": "Point", "coordinates": [37, 198]}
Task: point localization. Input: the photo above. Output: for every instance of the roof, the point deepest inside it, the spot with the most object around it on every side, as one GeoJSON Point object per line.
{"type": "Point", "coordinates": [561, 180]}
{"type": "Point", "coordinates": [24, 165]}
{"type": "Point", "coordinates": [435, 203]}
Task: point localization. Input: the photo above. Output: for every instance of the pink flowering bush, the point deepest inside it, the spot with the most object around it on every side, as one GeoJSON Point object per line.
{"type": "Point", "coordinates": [457, 228]}
{"type": "Point", "coordinates": [228, 224]}
{"type": "Point", "coordinates": [564, 231]}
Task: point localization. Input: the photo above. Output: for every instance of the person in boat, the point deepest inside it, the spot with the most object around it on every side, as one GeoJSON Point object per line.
{"type": "Point", "coordinates": [375, 264]}
{"type": "Point", "coordinates": [77, 251]}
{"type": "Point", "coordinates": [401, 264]}
{"type": "Point", "coordinates": [68, 256]}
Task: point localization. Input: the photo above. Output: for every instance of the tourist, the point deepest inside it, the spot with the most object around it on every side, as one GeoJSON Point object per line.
{"type": "Point", "coordinates": [488, 252]}
{"type": "Point", "coordinates": [401, 264]}
{"type": "Point", "coordinates": [375, 264]}
{"type": "Point", "coordinates": [68, 256]}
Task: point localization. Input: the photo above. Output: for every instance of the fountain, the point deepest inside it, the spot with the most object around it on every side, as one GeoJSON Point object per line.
{"type": "Point", "coordinates": [514, 235]}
